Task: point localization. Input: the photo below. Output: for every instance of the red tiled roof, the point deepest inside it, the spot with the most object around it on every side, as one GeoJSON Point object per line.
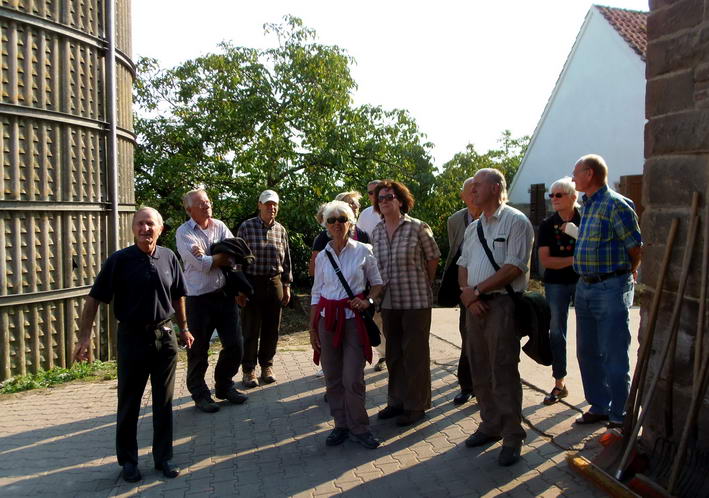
{"type": "Point", "coordinates": [630, 24]}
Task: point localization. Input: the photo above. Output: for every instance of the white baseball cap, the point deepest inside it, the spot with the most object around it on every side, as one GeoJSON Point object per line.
{"type": "Point", "coordinates": [268, 196]}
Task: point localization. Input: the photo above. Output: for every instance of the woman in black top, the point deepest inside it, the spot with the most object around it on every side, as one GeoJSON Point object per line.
{"type": "Point", "coordinates": [556, 253]}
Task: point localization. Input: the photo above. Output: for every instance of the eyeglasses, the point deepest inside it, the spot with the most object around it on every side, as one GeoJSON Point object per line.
{"type": "Point", "coordinates": [387, 197]}
{"type": "Point", "coordinates": [341, 219]}
{"type": "Point", "coordinates": [558, 195]}
{"type": "Point", "coordinates": [370, 192]}
{"type": "Point", "coordinates": [574, 173]}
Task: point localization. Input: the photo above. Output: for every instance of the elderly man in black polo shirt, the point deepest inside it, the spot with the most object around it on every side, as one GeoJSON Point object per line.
{"type": "Point", "coordinates": [146, 285]}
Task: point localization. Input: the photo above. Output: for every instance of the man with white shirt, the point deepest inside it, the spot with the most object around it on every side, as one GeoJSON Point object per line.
{"type": "Point", "coordinates": [209, 307]}
{"type": "Point", "coordinates": [493, 340]}
{"type": "Point", "coordinates": [368, 219]}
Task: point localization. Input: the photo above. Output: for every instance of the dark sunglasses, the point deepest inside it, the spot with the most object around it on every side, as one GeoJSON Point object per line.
{"type": "Point", "coordinates": [341, 219]}
{"type": "Point", "coordinates": [557, 195]}
{"type": "Point", "coordinates": [387, 197]}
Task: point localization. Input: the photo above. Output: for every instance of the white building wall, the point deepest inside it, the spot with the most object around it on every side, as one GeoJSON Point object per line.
{"type": "Point", "coordinates": [598, 106]}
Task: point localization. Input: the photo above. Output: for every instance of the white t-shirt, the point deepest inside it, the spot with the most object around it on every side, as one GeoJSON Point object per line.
{"type": "Point", "coordinates": [368, 219]}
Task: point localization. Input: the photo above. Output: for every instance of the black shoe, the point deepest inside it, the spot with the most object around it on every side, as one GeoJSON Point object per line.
{"type": "Point", "coordinates": [390, 412]}
{"type": "Point", "coordinates": [131, 473]}
{"type": "Point", "coordinates": [409, 417]}
{"type": "Point", "coordinates": [366, 439]}
{"type": "Point", "coordinates": [509, 455]}
{"type": "Point", "coordinates": [380, 365]}
{"type": "Point", "coordinates": [555, 395]}
{"type": "Point", "coordinates": [167, 469]}
{"type": "Point", "coordinates": [337, 436]}
{"type": "Point", "coordinates": [206, 404]}
{"type": "Point", "coordinates": [233, 396]}
{"type": "Point", "coordinates": [591, 418]}
{"type": "Point", "coordinates": [463, 397]}
{"type": "Point", "coordinates": [479, 439]}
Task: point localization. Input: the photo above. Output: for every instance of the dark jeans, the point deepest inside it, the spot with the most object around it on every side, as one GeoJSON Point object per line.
{"type": "Point", "coordinates": [559, 297]}
{"type": "Point", "coordinates": [204, 314]}
{"type": "Point", "coordinates": [143, 354]}
{"type": "Point", "coordinates": [262, 320]}
{"type": "Point", "coordinates": [465, 379]}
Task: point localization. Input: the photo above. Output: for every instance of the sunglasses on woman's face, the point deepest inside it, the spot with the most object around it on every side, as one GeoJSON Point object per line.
{"type": "Point", "coordinates": [341, 219]}
{"type": "Point", "coordinates": [558, 195]}
{"type": "Point", "coordinates": [386, 197]}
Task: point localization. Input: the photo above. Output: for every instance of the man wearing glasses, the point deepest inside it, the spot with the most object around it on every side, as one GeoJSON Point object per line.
{"type": "Point", "coordinates": [209, 307]}
{"type": "Point", "coordinates": [606, 257]}
{"type": "Point", "coordinates": [368, 219]}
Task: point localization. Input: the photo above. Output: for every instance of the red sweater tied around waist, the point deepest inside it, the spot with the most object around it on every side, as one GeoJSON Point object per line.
{"type": "Point", "coordinates": [335, 324]}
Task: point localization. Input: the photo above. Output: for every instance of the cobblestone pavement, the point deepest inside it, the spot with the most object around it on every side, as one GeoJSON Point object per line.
{"type": "Point", "coordinates": [60, 442]}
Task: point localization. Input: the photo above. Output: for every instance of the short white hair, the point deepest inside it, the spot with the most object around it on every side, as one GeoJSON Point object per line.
{"type": "Point", "coordinates": [568, 186]}
{"type": "Point", "coordinates": [333, 208]}
{"type": "Point", "coordinates": [187, 198]}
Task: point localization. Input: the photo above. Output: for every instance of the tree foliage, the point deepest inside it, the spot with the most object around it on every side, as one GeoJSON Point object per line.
{"type": "Point", "coordinates": [240, 120]}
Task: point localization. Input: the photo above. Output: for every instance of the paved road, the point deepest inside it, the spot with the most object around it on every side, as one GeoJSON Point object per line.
{"type": "Point", "coordinates": [59, 442]}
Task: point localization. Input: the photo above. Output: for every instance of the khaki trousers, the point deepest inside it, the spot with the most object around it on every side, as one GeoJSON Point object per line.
{"type": "Point", "coordinates": [344, 377]}
{"type": "Point", "coordinates": [408, 358]}
{"type": "Point", "coordinates": [493, 347]}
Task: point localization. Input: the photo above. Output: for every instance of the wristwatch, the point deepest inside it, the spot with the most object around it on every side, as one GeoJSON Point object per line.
{"type": "Point", "coordinates": [370, 301]}
{"type": "Point", "coordinates": [476, 291]}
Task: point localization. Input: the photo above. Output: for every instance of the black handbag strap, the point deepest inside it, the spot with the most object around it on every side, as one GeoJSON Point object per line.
{"type": "Point", "coordinates": [338, 272]}
{"type": "Point", "coordinates": [483, 241]}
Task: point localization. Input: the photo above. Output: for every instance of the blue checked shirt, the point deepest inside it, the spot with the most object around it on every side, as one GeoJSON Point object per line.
{"type": "Point", "coordinates": [609, 227]}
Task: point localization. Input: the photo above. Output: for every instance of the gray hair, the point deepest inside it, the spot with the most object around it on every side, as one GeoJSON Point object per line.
{"type": "Point", "coordinates": [187, 198]}
{"type": "Point", "coordinates": [567, 185]}
{"type": "Point", "coordinates": [496, 177]}
{"type": "Point", "coordinates": [334, 208]}
{"type": "Point", "coordinates": [155, 212]}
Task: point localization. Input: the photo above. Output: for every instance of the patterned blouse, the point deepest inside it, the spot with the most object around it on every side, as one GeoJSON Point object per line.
{"type": "Point", "coordinates": [402, 263]}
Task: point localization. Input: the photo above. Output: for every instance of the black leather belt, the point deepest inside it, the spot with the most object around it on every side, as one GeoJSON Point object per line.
{"type": "Point", "coordinates": [148, 327]}
{"type": "Point", "coordinates": [594, 279]}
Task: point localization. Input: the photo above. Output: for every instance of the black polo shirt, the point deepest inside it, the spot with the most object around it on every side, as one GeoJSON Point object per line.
{"type": "Point", "coordinates": [142, 286]}
{"type": "Point", "coordinates": [560, 245]}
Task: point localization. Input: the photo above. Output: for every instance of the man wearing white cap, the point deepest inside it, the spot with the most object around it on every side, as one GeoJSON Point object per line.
{"type": "Point", "coordinates": [271, 276]}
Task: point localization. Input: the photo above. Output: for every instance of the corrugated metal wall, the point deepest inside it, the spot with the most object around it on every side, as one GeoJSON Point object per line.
{"type": "Point", "coordinates": [55, 206]}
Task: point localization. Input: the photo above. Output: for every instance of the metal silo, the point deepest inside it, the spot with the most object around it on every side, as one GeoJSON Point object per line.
{"type": "Point", "coordinates": [66, 135]}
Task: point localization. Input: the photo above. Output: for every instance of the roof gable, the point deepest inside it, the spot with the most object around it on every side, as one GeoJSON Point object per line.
{"type": "Point", "coordinates": [630, 24]}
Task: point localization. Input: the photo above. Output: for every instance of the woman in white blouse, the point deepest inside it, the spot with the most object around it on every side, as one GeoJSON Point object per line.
{"type": "Point", "coordinates": [337, 332]}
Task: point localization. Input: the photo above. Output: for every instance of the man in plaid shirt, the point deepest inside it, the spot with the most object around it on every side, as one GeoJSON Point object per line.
{"type": "Point", "coordinates": [271, 276]}
{"type": "Point", "coordinates": [606, 257]}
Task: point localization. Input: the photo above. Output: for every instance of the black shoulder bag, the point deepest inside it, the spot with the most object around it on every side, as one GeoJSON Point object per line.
{"type": "Point", "coordinates": [373, 333]}
{"type": "Point", "coordinates": [532, 314]}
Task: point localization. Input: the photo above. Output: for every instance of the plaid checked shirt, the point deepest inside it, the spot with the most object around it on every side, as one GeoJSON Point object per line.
{"type": "Point", "coordinates": [609, 227]}
{"type": "Point", "coordinates": [270, 246]}
{"type": "Point", "coordinates": [402, 262]}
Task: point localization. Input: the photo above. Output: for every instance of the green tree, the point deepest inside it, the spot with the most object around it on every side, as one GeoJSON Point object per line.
{"type": "Point", "coordinates": [506, 157]}
{"type": "Point", "coordinates": [241, 120]}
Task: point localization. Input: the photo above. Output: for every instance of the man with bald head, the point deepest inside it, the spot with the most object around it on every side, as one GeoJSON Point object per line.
{"type": "Point", "coordinates": [606, 257]}
{"type": "Point", "coordinates": [457, 223]}
{"type": "Point", "coordinates": [146, 285]}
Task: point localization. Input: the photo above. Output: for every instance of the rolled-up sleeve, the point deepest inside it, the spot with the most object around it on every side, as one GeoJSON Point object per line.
{"type": "Point", "coordinates": [519, 243]}
{"type": "Point", "coordinates": [371, 269]}
{"type": "Point", "coordinates": [428, 243]}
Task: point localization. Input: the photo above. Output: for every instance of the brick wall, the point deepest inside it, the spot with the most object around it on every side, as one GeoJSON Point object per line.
{"type": "Point", "coordinates": [677, 164]}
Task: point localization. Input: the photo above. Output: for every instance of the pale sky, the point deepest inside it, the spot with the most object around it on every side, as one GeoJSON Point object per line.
{"type": "Point", "coordinates": [465, 70]}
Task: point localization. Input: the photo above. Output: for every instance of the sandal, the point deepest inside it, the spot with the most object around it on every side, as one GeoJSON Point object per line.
{"type": "Point", "coordinates": [555, 395]}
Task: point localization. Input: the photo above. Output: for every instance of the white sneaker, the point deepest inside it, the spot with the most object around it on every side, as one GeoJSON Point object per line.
{"type": "Point", "coordinates": [319, 373]}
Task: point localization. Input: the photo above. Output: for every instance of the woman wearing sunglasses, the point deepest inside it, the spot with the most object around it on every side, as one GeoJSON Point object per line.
{"type": "Point", "coordinates": [407, 255]}
{"type": "Point", "coordinates": [556, 253]}
{"type": "Point", "coordinates": [337, 331]}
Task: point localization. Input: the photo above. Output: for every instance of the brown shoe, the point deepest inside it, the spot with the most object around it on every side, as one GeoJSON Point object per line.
{"type": "Point", "coordinates": [267, 375]}
{"type": "Point", "coordinates": [249, 379]}
{"type": "Point", "coordinates": [555, 395]}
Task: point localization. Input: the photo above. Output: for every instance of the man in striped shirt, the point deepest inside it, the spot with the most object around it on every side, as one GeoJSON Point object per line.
{"type": "Point", "coordinates": [606, 257]}
{"type": "Point", "coordinates": [270, 276]}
